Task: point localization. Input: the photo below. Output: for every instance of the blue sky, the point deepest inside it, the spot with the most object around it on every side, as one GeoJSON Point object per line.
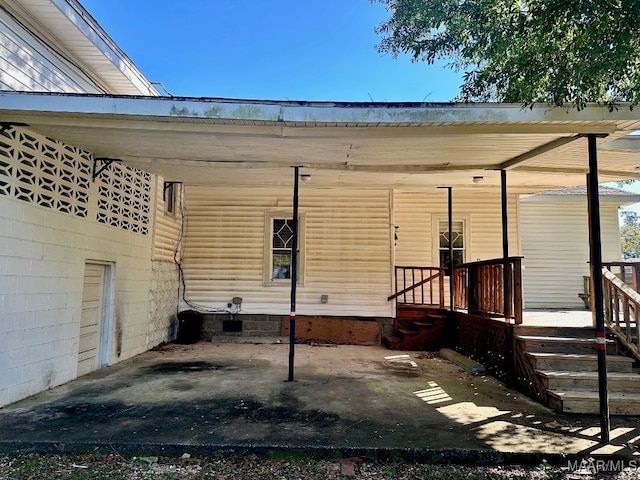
{"type": "Point", "coordinates": [277, 49]}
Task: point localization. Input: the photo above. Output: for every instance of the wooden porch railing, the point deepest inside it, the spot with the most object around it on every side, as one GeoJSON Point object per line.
{"type": "Point", "coordinates": [419, 286]}
{"type": "Point", "coordinates": [628, 272]}
{"type": "Point", "coordinates": [622, 310]}
{"type": "Point", "coordinates": [480, 290]}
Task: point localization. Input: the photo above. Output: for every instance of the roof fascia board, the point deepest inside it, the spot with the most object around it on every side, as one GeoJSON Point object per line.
{"type": "Point", "coordinates": [78, 19]}
{"type": "Point", "coordinates": [84, 22]}
{"type": "Point", "coordinates": [359, 114]}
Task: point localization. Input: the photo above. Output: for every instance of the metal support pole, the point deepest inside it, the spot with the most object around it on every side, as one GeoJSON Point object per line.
{"type": "Point", "coordinates": [450, 219]}
{"type": "Point", "coordinates": [595, 245]}
{"type": "Point", "coordinates": [294, 274]}
{"type": "Point", "coordinates": [506, 270]}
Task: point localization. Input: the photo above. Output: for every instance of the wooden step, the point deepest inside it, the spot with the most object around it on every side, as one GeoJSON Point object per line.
{"type": "Point", "coordinates": [564, 380]}
{"type": "Point", "coordinates": [578, 362]}
{"type": "Point", "coordinates": [581, 401]}
{"type": "Point", "coordinates": [424, 324]}
{"type": "Point", "coordinates": [406, 332]}
{"type": "Point", "coordinates": [417, 312]}
{"type": "Point", "coordinates": [549, 344]}
{"type": "Point", "coordinates": [391, 341]}
{"type": "Point", "coordinates": [571, 332]}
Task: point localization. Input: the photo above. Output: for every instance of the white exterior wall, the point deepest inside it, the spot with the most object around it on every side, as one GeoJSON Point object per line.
{"type": "Point", "coordinates": [27, 64]}
{"type": "Point", "coordinates": [54, 219]}
{"type": "Point", "coordinates": [166, 283]}
{"type": "Point", "coordinates": [555, 244]}
{"type": "Point", "coordinates": [346, 253]}
{"type": "Point", "coordinates": [417, 213]}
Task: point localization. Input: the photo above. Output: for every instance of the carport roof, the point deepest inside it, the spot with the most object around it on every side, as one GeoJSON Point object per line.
{"type": "Point", "coordinates": [207, 141]}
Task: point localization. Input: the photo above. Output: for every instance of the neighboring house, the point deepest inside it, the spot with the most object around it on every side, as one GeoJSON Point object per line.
{"type": "Point", "coordinates": [90, 246]}
{"type": "Point", "coordinates": [554, 225]}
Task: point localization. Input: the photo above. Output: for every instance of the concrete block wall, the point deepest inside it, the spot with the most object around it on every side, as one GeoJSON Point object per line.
{"type": "Point", "coordinates": [163, 323]}
{"type": "Point", "coordinates": [42, 262]}
{"type": "Point", "coordinates": [252, 325]}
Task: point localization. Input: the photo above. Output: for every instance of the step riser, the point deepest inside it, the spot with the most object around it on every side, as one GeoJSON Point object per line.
{"type": "Point", "coordinates": [580, 365]}
{"type": "Point", "coordinates": [567, 348]}
{"type": "Point", "coordinates": [560, 384]}
{"type": "Point", "coordinates": [565, 332]}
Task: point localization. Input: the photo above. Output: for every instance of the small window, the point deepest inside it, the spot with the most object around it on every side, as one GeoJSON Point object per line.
{"type": "Point", "coordinates": [279, 251]}
{"type": "Point", "coordinates": [457, 240]}
{"type": "Point", "coordinates": [282, 245]}
{"type": "Point", "coordinates": [171, 197]}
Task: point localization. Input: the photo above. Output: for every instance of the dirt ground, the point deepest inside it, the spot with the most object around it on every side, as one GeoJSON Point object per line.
{"type": "Point", "coordinates": [114, 467]}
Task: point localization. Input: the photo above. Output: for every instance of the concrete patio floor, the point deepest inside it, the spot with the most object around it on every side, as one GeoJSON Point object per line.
{"type": "Point", "coordinates": [205, 397]}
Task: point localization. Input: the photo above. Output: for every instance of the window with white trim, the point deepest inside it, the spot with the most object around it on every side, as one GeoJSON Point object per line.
{"type": "Point", "coordinates": [279, 248]}
{"type": "Point", "coordinates": [458, 240]}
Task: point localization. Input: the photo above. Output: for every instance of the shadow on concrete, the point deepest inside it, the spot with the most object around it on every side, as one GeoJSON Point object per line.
{"type": "Point", "coordinates": [207, 397]}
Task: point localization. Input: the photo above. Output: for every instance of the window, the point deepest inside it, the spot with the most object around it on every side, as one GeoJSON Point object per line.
{"type": "Point", "coordinates": [457, 239]}
{"type": "Point", "coordinates": [171, 197]}
{"type": "Point", "coordinates": [279, 248]}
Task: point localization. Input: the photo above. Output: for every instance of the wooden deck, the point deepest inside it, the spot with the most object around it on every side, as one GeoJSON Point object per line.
{"type": "Point", "coordinates": [557, 318]}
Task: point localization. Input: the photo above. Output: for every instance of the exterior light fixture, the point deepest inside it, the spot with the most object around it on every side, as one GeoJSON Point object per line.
{"type": "Point", "coordinates": [478, 179]}
{"type": "Point", "coordinates": [305, 177]}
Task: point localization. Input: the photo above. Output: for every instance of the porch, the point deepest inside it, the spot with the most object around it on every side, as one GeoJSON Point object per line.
{"type": "Point", "coordinates": [550, 355]}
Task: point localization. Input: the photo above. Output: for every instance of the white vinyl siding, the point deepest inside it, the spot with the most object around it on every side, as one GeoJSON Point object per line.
{"type": "Point", "coordinates": [555, 244]}
{"type": "Point", "coordinates": [346, 256]}
{"type": "Point", "coordinates": [167, 226]}
{"type": "Point", "coordinates": [417, 215]}
{"type": "Point", "coordinates": [27, 64]}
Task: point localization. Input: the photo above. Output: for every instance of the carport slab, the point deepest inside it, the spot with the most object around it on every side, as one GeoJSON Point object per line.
{"type": "Point", "coordinates": [208, 396]}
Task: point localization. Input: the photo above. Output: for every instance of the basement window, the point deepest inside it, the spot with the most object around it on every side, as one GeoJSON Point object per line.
{"type": "Point", "coordinates": [457, 236]}
{"type": "Point", "coordinates": [279, 248]}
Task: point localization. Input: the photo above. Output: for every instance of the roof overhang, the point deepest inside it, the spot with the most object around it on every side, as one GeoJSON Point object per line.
{"type": "Point", "coordinates": [203, 141]}
{"type": "Point", "coordinates": [67, 26]}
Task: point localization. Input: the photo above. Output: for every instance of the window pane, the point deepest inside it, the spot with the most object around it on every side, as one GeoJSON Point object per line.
{"type": "Point", "coordinates": [457, 237]}
{"type": "Point", "coordinates": [282, 233]}
{"type": "Point", "coordinates": [457, 257]}
{"type": "Point", "coordinates": [281, 264]}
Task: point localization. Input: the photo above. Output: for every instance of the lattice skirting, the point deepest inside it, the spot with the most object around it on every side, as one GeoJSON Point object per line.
{"type": "Point", "coordinates": [486, 341]}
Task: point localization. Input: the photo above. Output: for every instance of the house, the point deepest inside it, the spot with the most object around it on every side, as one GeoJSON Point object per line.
{"type": "Point", "coordinates": [554, 225]}
{"type": "Point", "coordinates": [84, 284]}
{"type": "Point", "coordinates": [120, 207]}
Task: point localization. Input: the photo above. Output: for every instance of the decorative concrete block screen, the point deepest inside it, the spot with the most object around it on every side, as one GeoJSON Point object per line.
{"type": "Point", "coordinates": [44, 172]}
{"type": "Point", "coordinates": [51, 174]}
{"type": "Point", "coordinates": [124, 198]}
